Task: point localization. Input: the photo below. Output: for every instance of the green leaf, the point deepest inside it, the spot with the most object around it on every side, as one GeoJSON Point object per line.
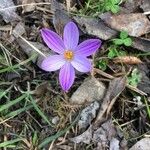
{"type": "Point", "coordinates": [112, 53]}
{"type": "Point", "coordinates": [57, 135]}
{"type": "Point", "coordinates": [127, 42]}
{"type": "Point", "coordinates": [115, 9]}
{"type": "Point", "coordinates": [118, 41]}
{"type": "Point", "coordinates": [107, 7]}
{"type": "Point", "coordinates": [11, 103]}
{"type": "Point", "coordinates": [134, 78]}
{"type": "Point", "coordinates": [18, 111]}
{"type": "Point", "coordinates": [122, 53]}
{"type": "Point", "coordinates": [123, 34]}
{"type": "Point", "coordinates": [115, 1]}
{"type": "Point", "coordinates": [35, 137]}
{"type": "Point", "coordinates": [147, 107]}
{"type": "Point", "coordinates": [102, 64]}
{"type": "Point", "coordinates": [39, 111]}
{"type": "Point", "coordinates": [8, 143]}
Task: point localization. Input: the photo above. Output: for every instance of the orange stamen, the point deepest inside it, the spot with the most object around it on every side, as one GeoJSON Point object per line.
{"type": "Point", "coordinates": [68, 55]}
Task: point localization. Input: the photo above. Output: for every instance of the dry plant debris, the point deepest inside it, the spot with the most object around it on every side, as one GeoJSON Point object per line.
{"type": "Point", "coordinates": [107, 108]}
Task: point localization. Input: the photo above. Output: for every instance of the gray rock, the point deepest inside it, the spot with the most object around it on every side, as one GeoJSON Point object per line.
{"type": "Point", "coordinates": [114, 144]}
{"type": "Point", "coordinates": [89, 91]}
{"type": "Point", "coordinates": [143, 144]}
{"type": "Point", "coordinates": [88, 114]}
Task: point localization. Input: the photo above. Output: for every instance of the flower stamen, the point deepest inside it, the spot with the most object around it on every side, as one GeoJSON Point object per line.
{"type": "Point", "coordinates": [68, 55]}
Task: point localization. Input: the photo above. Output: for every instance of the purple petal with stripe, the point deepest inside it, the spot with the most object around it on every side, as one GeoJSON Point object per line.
{"type": "Point", "coordinates": [53, 63]}
{"type": "Point", "coordinates": [66, 76]}
{"type": "Point", "coordinates": [71, 36]}
{"type": "Point", "coordinates": [88, 47]}
{"type": "Point", "coordinates": [81, 64]}
{"type": "Point", "coordinates": [53, 40]}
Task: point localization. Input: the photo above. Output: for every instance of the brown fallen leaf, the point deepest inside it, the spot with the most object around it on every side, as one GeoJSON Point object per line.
{"type": "Point", "coordinates": [104, 137]}
{"type": "Point", "coordinates": [144, 84]}
{"type": "Point", "coordinates": [132, 60]}
{"type": "Point", "coordinates": [85, 137]}
{"type": "Point", "coordinates": [60, 16]}
{"type": "Point", "coordinates": [136, 24]}
{"type": "Point", "coordinates": [141, 44]}
{"type": "Point", "coordinates": [115, 88]}
{"type": "Point", "coordinates": [96, 27]}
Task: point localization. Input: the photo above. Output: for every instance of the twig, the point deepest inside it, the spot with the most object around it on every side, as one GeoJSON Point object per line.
{"type": "Point", "coordinates": [147, 13]}
{"type": "Point", "coordinates": [37, 50]}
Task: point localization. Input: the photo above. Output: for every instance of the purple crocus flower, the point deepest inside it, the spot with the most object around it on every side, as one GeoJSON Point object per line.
{"type": "Point", "coordinates": [69, 55]}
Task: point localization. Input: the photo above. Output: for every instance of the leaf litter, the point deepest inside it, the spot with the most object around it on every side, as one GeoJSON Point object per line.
{"type": "Point", "coordinates": [109, 116]}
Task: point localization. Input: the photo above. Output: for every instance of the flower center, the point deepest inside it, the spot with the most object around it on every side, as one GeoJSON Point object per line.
{"type": "Point", "coordinates": [68, 55]}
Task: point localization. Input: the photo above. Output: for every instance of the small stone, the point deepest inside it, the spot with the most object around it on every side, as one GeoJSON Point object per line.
{"type": "Point", "coordinates": [55, 120]}
{"type": "Point", "coordinates": [143, 144]}
{"type": "Point", "coordinates": [88, 114]}
{"type": "Point", "coordinates": [89, 91]}
{"type": "Point", "coordinates": [114, 144]}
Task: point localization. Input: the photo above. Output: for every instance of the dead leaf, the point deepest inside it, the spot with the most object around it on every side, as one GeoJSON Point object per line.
{"type": "Point", "coordinates": [90, 90]}
{"type": "Point", "coordinates": [141, 44]}
{"type": "Point", "coordinates": [8, 11]}
{"type": "Point", "coordinates": [60, 16]}
{"type": "Point", "coordinates": [136, 24]}
{"type": "Point", "coordinates": [115, 88]}
{"type": "Point", "coordinates": [102, 137]}
{"type": "Point", "coordinates": [104, 134]}
{"type": "Point", "coordinates": [28, 8]}
{"type": "Point", "coordinates": [96, 27]}
{"type": "Point", "coordinates": [85, 137]}
{"type": "Point", "coordinates": [87, 115]}
{"type": "Point", "coordinates": [144, 84]}
{"type": "Point", "coordinates": [132, 60]}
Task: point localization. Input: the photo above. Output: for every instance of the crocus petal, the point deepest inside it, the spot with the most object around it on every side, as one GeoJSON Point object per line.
{"type": "Point", "coordinates": [88, 47]}
{"type": "Point", "coordinates": [71, 36]}
{"type": "Point", "coordinates": [81, 63]}
{"type": "Point", "coordinates": [53, 40]}
{"type": "Point", "coordinates": [53, 63]}
{"type": "Point", "coordinates": [66, 76]}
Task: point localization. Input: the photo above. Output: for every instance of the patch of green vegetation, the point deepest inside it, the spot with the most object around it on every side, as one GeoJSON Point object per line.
{"type": "Point", "coordinates": [134, 78]}
{"type": "Point", "coordinates": [123, 39]}
{"type": "Point", "coordinates": [147, 107]}
{"type": "Point", "coordinates": [114, 50]}
{"type": "Point", "coordinates": [102, 64]}
{"type": "Point", "coordinates": [96, 7]}
{"type": "Point", "coordinates": [111, 5]}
